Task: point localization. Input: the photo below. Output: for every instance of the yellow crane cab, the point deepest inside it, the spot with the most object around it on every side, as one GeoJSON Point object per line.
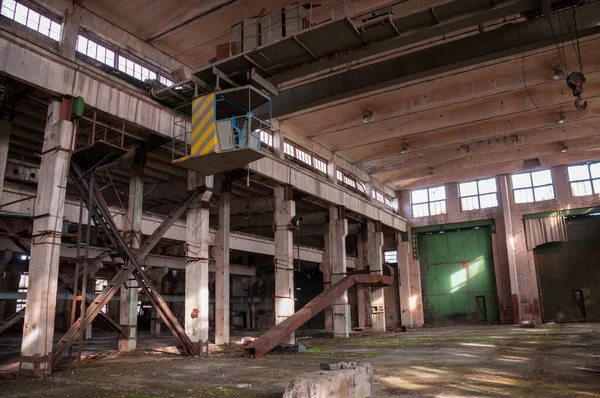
{"type": "Point", "coordinates": [223, 132]}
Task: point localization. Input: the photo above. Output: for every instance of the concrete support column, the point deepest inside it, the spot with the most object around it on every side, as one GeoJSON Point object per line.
{"type": "Point", "coordinates": [338, 229]}
{"type": "Point", "coordinates": [157, 274]}
{"type": "Point", "coordinates": [68, 45]}
{"type": "Point", "coordinates": [409, 276]}
{"type": "Point", "coordinates": [5, 258]}
{"type": "Point", "coordinates": [521, 262]}
{"type": "Point", "coordinates": [510, 245]}
{"type": "Point", "coordinates": [285, 209]}
{"type": "Point", "coordinates": [372, 238]}
{"type": "Point", "coordinates": [129, 291]}
{"type": "Point", "coordinates": [326, 271]}
{"type": "Point", "coordinates": [361, 290]}
{"type": "Point", "coordinates": [38, 329]}
{"type": "Point", "coordinates": [278, 142]}
{"type": "Point", "coordinates": [196, 272]}
{"type": "Point", "coordinates": [5, 129]}
{"type": "Point", "coordinates": [222, 270]}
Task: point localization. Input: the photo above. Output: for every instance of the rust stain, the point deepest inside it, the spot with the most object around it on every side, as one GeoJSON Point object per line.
{"type": "Point", "coordinates": [195, 313]}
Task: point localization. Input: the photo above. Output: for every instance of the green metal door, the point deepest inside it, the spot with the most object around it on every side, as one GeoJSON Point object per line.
{"type": "Point", "coordinates": [458, 279]}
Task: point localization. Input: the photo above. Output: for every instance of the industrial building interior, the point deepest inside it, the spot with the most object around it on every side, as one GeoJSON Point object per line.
{"type": "Point", "coordinates": [266, 198]}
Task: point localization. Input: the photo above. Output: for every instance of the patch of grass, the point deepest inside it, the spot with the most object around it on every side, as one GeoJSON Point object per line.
{"type": "Point", "coordinates": [319, 351]}
{"type": "Point", "coordinates": [397, 342]}
{"type": "Point", "coordinates": [548, 338]}
{"type": "Point", "coordinates": [219, 391]}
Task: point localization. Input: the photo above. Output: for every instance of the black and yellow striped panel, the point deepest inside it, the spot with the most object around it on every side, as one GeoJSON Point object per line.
{"type": "Point", "coordinates": [203, 137]}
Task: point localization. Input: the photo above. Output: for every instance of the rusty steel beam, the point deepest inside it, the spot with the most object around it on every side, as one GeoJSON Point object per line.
{"type": "Point", "coordinates": [11, 320]}
{"type": "Point", "coordinates": [278, 333]}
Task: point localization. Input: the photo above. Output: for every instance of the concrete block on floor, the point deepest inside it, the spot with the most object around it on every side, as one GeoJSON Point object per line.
{"type": "Point", "coordinates": [343, 383]}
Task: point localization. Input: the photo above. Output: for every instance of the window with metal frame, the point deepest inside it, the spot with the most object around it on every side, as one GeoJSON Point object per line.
{"type": "Point", "coordinates": [533, 186]}
{"type": "Point", "coordinates": [135, 69]}
{"type": "Point", "coordinates": [350, 181]}
{"type": "Point", "coordinates": [480, 194]}
{"type": "Point", "coordinates": [99, 286]}
{"type": "Point", "coordinates": [26, 16]}
{"type": "Point", "coordinates": [390, 256]}
{"type": "Point", "coordinates": [23, 283]}
{"type": "Point", "coordinates": [305, 158]}
{"type": "Point", "coordinates": [584, 179]}
{"type": "Point", "coordinates": [266, 138]}
{"type": "Point", "coordinates": [428, 201]}
{"type": "Point", "coordinates": [167, 82]}
{"type": "Point", "coordinates": [95, 51]}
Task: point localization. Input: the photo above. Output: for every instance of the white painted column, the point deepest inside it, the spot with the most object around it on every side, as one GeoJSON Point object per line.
{"type": "Point", "coordinates": [196, 271]}
{"type": "Point", "coordinates": [285, 209]}
{"type": "Point", "coordinates": [129, 291]}
{"type": "Point", "coordinates": [338, 229]}
{"type": "Point", "coordinates": [373, 254]}
{"type": "Point", "coordinates": [5, 129]}
{"type": "Point", "coordinates": [409, 275]}
{"type": "Point", "coordinates": [38, 329]}
{"type": "Point", "coordinates": [222, 270]}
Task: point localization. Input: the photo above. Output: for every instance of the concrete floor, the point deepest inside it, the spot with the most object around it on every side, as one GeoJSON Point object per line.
{"type": "Point", "coordinates": [547, 361]}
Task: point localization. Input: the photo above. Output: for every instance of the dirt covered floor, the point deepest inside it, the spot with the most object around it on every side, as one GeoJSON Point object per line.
{"type": "Point", "coordinates": [546, 361]}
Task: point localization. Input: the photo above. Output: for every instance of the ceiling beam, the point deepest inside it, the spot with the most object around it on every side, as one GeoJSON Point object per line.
{"type": "Point", "coordinates": [477, 83]}
{"type": "Point", "coordinates": [495, 127]}
{"type": "Point", "coordinates": [508, 156]}
{"type": "Point", "coordinates": [506, 168]}
{"type": "Point", "coordinates": [475, 111]}
{"type": "Point", "coordinates": [515, 142]}
{"type": "Point", "coordinates": [487, 46]}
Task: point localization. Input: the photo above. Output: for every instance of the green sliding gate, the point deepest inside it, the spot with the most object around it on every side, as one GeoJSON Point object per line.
{"type": "Point", "coordinates": [458, 279]}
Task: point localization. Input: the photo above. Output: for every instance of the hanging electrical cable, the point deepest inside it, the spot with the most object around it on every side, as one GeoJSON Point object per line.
{"type": "Point", "coordinates": [576, 79]}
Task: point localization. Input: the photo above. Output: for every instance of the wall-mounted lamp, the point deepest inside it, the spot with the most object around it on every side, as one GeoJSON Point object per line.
{"type": "Point", "coordinates": [405, 149]}
{"type": "Point", "coordinates": [368, 116]}
{"type": "Point", "coordinates": [564, 148]}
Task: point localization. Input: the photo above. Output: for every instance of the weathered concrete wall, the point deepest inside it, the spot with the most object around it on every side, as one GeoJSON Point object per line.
{"type": "Point", "coordinates": [522, 305]}
{"type": "Point", "coordinates": [455, 215]}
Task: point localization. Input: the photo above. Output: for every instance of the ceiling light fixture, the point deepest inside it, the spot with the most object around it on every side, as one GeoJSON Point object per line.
{"type": "Point", "coordinates": [563, 118]}
{"type": "Point", "coordinates": [368, 116]}
{"type": "Point", "coordinates": [564, 148]}
{"type": "Point", "coordinates": [559, 74]}
{"type": "Point", "coordinates": [405, 149]}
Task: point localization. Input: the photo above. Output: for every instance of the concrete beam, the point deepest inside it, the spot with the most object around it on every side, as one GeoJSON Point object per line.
{"type": "Point", "coordinates": [41, 68]}
{"type": "Point", "coordinates": [305, 181]}
{"type": "Point", "coordinates": [491, 45]}
{"type": "Point", "coordinates": [154, 260]}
